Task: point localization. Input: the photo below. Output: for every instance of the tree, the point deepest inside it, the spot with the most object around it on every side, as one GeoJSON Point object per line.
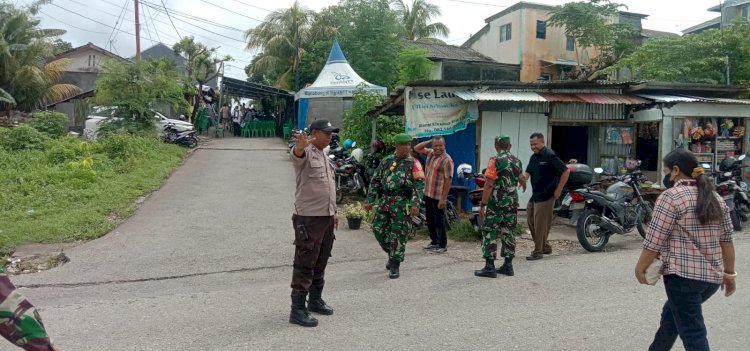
{"type": "Point", "coordinates": [695, 58]}
{"type": "Point", "coordinates": [200, 66]}
{"type": "Point", "coordinates": [61, 46]}
{"type": "Point", "coordinates": [281, 38]}
{"type": "Point", "coordinates": [416, 20]}
{"type": "Point", "coordinates": [413, 64]}
{"type": "Point", "coordinates": [357, 124]}
{"type": "Point", "coordinates": [590, 24]}
{"type": "Point", "coordinates": [27, 82]}
{"type": "Point", "coordinates": [135, 88]}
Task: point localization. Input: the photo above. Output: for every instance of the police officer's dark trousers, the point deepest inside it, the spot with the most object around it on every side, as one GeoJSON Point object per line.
{"type": "Point", "coordinates": [311, 253]}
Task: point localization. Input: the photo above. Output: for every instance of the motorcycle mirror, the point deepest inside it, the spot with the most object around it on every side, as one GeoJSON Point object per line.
{"type": "Point", "coordinates": [742, 157]}
{"type": "Point", "coordinates": [599, 170]}
{"type": "Point", "coordinates": [727, 174]}
{"type": "Point", "coordinates": [706, 166]}
{"type": "Point", "coordinates": [331, 156]}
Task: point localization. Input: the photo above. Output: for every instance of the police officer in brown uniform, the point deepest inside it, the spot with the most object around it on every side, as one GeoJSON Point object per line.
{"type": "Point", "coordinates": [314, 221]}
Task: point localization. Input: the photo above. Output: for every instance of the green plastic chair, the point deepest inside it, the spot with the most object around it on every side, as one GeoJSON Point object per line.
{"type": "Point", "coordinates": [245, 131]}
{"type": "Point", "coordinates": [218, 130]}
{"type": "Point", "coordinates": [270, 129]}
{"type": "Point", "coordinates": [255, 129]}
{"type": "Point", "coordinates": [286, 131]}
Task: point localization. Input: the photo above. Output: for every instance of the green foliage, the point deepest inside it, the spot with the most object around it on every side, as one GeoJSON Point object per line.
{"type": "Point", "coordinates": [357, 125]}
{"type": "Point", "coordinates": [387, 127]}
{"type": "Point", "coordinates": [52, 124]}
{"type": "Point", "coordinates": [413, 64]}
{"type": "Point", "coordinates": [313, 61]}
{"type": "Point", "coordinates": [463, 231]}
{"type": "Point", "coordinates": [23, 137]}
{"type": "Point", "coordinates": [44, 199]}
{"type": "Point", "coordinates": [27, 81]}
{"type": "Point", "coordinates": [589, 22]}
{"type": "Point", "coordinates": [135, 88]}
{"type": "Point", "coordinates": [355, 210]}
{"type": "Point", "coordinates": [696, 58]}
{"type": "Point", "coordinates": [416, 20]}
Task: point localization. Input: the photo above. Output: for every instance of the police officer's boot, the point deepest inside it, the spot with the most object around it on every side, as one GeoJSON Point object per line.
{"type": "Point", "coordinates": [507, 267]}
{"type": "Point", "coordinates": [488, 271]}
{"type": "Point", "coordinates": [316, 303]}
{"type": "Point", "coordinates": [393, 274]}
{"type": "Point", "coordinates": [299, 314]}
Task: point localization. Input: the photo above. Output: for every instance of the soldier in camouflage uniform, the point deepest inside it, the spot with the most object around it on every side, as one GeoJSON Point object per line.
{"type": "Point", "coordinates": [20, 322]}
{"type": "Point", "coordinates": [499, 208]}
{"type": "Point", "coordinates": [399, 182]}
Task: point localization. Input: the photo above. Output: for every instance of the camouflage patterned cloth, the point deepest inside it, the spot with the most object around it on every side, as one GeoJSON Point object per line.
{"type": "Point", "coordinates": [502, 207]}
{"type": "Point", "coordinates": [20, 322]}
{"type": "Point", "coordinates": [399, 184]}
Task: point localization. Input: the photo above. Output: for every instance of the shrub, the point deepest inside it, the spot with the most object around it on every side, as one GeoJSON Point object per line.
{"type": "Point", "coordinates": [463, 231]}
{"type": "Point", "coordinates": [52, 124]}
{"type": "Point", "coordinates": [23, 137]}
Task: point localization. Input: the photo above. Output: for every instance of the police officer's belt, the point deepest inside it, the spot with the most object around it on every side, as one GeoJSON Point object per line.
{"type": "Point", "coordinates": [397, 192]}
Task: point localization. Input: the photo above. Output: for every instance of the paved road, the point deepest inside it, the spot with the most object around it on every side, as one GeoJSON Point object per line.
{"type": "Point", "coordinates": [204, 264]}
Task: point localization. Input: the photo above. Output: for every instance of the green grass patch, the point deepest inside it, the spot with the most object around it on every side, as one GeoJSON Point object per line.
{"type": "Point", "coordinates": [70, 190]}
{"type": "Point", "coordinates": [463, 231]}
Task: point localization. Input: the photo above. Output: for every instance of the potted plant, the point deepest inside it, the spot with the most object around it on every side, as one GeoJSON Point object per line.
{"type": "Point", "coordinates": [354, 214]}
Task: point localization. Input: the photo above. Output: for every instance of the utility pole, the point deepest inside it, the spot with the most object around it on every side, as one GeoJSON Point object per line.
{"type": "Point", "coordinates": [137, 33]}
{"type": "Point", "coordinates": [726, 53]}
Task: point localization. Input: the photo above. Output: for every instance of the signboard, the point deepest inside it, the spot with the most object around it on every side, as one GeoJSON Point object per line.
{"type": "Point", "coordinates": [437, 111]}
{"type": "Point", "coordinates": [344, 91]}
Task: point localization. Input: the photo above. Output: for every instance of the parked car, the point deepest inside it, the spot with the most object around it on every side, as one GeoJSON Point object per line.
{"type": "Point", "coordinates": [94, 120]}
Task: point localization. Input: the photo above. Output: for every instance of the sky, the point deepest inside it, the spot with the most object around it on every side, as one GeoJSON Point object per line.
{"type": "Point", "coordinates": [221, 23]}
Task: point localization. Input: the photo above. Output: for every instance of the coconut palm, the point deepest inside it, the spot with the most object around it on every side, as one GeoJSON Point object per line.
{"type": "Point", "coordinates": [280, 37]}
{"type": "Point", "coordinates": [27, 81]}
{"type": "Point", "coordinates": [416, 20]}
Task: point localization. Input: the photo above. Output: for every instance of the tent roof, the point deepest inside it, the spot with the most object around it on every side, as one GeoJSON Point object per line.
{"type": "Point", "coordinates": [247, 89]}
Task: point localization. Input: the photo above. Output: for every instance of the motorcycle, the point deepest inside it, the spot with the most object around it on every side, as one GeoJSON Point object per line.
{"type": "Point", "coordinates": [730, 169]}
{"type": "Point", "coordinates": [349, 177]}
{"type": "Point", "coordinates": [616, 211]}
{"type": "Point", "coordinates": [172, 136]}
{"type": "Point", "coordinates": [580, 176]}
{"type": "Point", "coordinates": [451, 215]}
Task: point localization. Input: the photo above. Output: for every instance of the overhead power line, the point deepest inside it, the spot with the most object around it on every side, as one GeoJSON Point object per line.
{"type": "Point", "coordinates": [232, 11]}
{"type": "Point", "coordinates": [70, 25]}
{"type": "Point", "coordinates": [90, 19]}
{"type": "Point", "coordinates": [255, 6]}
{"type": "Point", "coordinates": [170, 19]}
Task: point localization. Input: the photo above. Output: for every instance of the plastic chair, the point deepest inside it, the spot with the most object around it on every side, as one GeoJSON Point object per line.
{"type": "Point", "coordinates": [218, 130]}
{"type": "Point", "coordinates": [286, 131]}
{"type": "Point", "coordinates": [255, 129]}
{"type": "Point", "coordinates": [245, 131]}
{"type": "Point", "coordinates": [270, 129]}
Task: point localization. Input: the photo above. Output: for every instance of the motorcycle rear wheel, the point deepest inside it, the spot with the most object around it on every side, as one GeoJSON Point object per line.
{"type": "Point", "coordinates": [736, 223]}
{"type": "Point", "coordinates": [645, 219]}
{"type": "Point", "coordinates": [592, 237]}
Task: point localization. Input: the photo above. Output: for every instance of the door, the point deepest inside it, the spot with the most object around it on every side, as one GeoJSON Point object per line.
{"type": "Point", "coordinates": [519, 126]}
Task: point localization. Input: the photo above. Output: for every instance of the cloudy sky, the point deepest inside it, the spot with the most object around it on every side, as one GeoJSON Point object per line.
{"type": "Point", "coordinates": [221, 23]}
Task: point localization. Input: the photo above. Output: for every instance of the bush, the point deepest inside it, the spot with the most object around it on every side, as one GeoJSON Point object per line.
{"type": "Point", "coordinates": [52, 124]}
{"type": "Point", "coordinates": [463, 231]}
{"type": "Point", "coordinates": [23, 137]}
{"type": "Point", "coordinates": [355, 210]}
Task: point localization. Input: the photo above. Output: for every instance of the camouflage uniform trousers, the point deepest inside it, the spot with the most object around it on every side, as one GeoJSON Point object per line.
{"type": "Point", "coordinates": [503, 224]}
{"type": "Point", "coordinates": [391, 226]}
{"type": "Point", "coordinates": [20, 322]}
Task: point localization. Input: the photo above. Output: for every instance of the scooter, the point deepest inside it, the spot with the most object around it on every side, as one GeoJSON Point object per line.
{"type": "Point", "coordinates": [731, 169]}
{"type": "Point", "coordinates": [172, 136]}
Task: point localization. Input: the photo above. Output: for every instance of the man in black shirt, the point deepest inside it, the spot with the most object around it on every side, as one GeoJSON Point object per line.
{"type": "Point", "coordinates": [548, 176]}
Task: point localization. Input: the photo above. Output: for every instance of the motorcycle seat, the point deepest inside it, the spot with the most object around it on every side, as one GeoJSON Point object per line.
{"type": "Point", "coordinates": [605, 195]}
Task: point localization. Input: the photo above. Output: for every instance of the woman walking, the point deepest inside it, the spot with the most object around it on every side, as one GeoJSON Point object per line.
{"type": "Point", "coordinates": [692, 232]}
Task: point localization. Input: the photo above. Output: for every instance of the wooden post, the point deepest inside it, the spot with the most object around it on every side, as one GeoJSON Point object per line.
{"type": "Point", "coordinates": [137, 33]}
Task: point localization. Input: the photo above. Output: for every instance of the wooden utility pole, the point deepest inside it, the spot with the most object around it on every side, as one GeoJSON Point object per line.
{"type": "Point", "coordinates": [137, 33]}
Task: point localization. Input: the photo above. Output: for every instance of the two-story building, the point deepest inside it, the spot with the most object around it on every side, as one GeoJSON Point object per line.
{"type": "Point", "coordinates": [519, 35]}
{"type": "Point", "coordinates": [728, 10]}
{"type": "Point", "coordinates": [451, 62]}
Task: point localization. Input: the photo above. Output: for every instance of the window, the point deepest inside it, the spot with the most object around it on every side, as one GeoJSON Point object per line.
{"type": "Point", "coordinates": [745, 11]}
{"type": "Point", "coordinates": [541, 29]}
{"type": "Point", "coordinates": [570, 44]}
{"type": "Point", "coordinates": [505, 32]}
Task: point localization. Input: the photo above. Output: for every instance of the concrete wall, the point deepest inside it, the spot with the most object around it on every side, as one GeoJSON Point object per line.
{"type": "Point", "coordinates": [86, 61]}
{"type": "Point", "coordinates": [331, 109]}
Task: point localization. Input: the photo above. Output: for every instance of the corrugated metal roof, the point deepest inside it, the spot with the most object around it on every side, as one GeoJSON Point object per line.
{"type": "Point", "coordinates": [678, 98]}
{"type": "Point", "coordinates": [602, 99]}
{"type": "Point", "coordinates": [490, 95]}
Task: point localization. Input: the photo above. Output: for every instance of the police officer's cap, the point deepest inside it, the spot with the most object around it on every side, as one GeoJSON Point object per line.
{"type": "Point", "coordinates": [324, 125]}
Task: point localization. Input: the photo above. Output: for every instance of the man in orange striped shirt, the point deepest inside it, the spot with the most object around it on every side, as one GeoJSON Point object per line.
{"type": "Point", "coordinates": [439, 174]}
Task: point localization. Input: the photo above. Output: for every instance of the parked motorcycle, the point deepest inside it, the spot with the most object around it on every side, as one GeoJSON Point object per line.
{"type": "Point", "coordinates": [349, 177]}
{"type": "Point", "coordinates": [617, 211]}
{"type": "Point", "coordinates": [580, 176]}
{"type": "Point", "coordinates": [730, 169]}
{"type": "Point", "coordinates": [173, 136]}
{"type": "Point", "coordinates": [451, 215]}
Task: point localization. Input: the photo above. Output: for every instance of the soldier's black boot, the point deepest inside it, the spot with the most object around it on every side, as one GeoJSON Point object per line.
{"type": "Point", "coordinates": [393, 274]}
{"type": "Point", "coordinates": [507, 267]}
{"type": "Point", "coordinates": [488, 271]}
{"type": "Point", "coordinates": [316, 303]}
{"type": "Point", "coordinates": [388, 265]}
{"type": "Point", "coordinates": [299, 314]}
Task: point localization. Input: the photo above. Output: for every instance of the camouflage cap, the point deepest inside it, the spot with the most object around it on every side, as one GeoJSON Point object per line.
{"type": "Point", "coordinates": [502, 137]}
{"type": "Point", "coordinates": [402, 139]}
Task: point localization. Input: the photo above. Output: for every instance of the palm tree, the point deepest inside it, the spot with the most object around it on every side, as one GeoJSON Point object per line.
{"type": "Point", "coordinates": [27, 81]}
{"type": "Point", "coordinates": [200, 67]}
{"type": "Point", "coordinates": [416, 20]}
{"type": "Point", "coordinates": [280, 37]}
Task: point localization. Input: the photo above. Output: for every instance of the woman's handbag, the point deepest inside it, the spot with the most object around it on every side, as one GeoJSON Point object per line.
{"type": "Point", "coordinates": [654, 271]}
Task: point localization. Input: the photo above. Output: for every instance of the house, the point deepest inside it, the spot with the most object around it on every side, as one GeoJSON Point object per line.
{"type": "Point", "coordinates": [161, 50]}
{"type": "Point", "coordinates": [728, 10]}
{"type": "Point", "coordinates": [451, 62]}
{"type": "Point", "coordinates": [519, 35]}
{"type": "Point", "coordinates": [87, 62]}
